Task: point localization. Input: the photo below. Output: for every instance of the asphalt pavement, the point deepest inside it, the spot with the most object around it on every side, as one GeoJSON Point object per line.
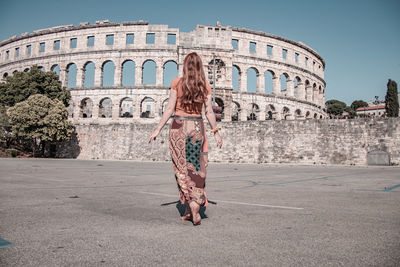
{"type": "Point", "coordinates": [68, 212]}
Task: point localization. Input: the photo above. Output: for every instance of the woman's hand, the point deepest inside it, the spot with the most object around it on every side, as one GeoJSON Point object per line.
{"type": "Point", "coordinates": [154, 135]}
{"type": "Point", "coordinates": [218, 139]}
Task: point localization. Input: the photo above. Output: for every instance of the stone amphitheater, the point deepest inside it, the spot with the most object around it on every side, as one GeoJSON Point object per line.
{"type": "Point", "coordinates": [258, 76]}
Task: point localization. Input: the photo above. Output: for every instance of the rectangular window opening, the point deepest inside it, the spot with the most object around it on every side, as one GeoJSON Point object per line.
{"type": "Point", "coordinates": [235, 44]}
{"type": "Point", "coordinates": [7, 54]}
{"type": "Point", "coordinates": [150, 38]}
{"type": "Point", "coordinates": [28, 49]}
{"type": "Point", "coordinates": [17, 52]}
{"type": "Point", "coordinates": [56, 45]}
{"type": "Point", "coordinates": [284, 53]}
{"type": "Point", "coordinates": [73, 42]}
{"type": "Point", "coordinates": [109, 39]}
{"type": "Point", "coordinates": [252, 47]}
{"type": "Point", "coordinates": [306, 61]}
{"type": "Point", "coordinates": [130, 38]}
{"type": "Point", "coordinates": [90, 41]}
{"type": "Point", "coordinates": [269, 50]}
{"type": "Point", "coordinates": [171, 38]}
{"type": "Point", "coordinates": [296, 57]}
{"type": "Point", "coordinates": [42, 47]}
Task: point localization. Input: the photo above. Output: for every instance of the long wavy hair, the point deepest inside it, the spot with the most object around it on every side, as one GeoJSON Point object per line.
{"type": "Point", "coordinates": [193, 81]}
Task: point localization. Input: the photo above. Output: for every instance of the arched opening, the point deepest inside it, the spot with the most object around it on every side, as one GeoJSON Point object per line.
{"type": "Point", "coordinates": [298, 113]}
{"type": "Point", "coordinates": [5, 75]}
{"type": "Point", "coordinates": [270, 112]}
{"type": "Point", "coordinates": [128, 73]}
{"type": "Point", "coordinates": [108, 70]}
{"type": "Point", "coordinates": [284, 77]}
{"type": "Point", "coordinates": [314, 92]}
{"type": "Point", "coordinates": [105, 108]}
{"type": "Point", "coordinates": [170, 72]}
{"type": "Point", "coordinates": [147, 108]}
{"type": "Point", "coordinates": [55, 69]}
{"type": "Point", "coordinates": [86, 108]}
{"type": "Point", "coordinates": [285, 113]}
{"type": "Point", "coordinates": [235, 111]}
{"type": "Point", "coordinates": [236, 78]}
{"type": "Point", "coordinates": [308, 115]}
{"type": "Point", "coordinates": [315, 115]}
{"type": "Point", "coordinates": [41, 68]}
{"type": "Point", "coordinates": [15, 71]}
{"type": "Point", "coordinates": [71, 75]}
{"type": "Point", "coordinates": [297, 82]}
{"type": "Point", "coordinates": [88, 74]}
{"type": "Point", "coordinates": [307, 86]}
{"type": "Point", "coordinates": [320, 116]}
{"type": "Point", "coordinates": [126, 107]}
{"type": "Point", "coordinates": [219, 112]}
{"type": "Point", "coordinates": [252, 74]}
{"type": "Point", "coordinates": [164, 105]}
{"type": "Point", "coordinates": [149, 72]}
{"type": "Point", "coordinates": [27, 70]}
{"type": "Point", "coordinates": [253, 112]}
{"type": "Point", "coordinates": [269, 83]}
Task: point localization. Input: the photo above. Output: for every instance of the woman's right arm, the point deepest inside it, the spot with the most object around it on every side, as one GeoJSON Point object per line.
{"type": "Point", "coordinates": [211, 119]}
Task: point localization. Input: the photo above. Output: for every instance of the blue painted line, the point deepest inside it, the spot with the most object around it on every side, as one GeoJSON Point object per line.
{"type": "Point", "coordinates": [390, 188]}
{"type": "Point", "coordinates": [306, 180]}
{"type": "Point", "coordinates": [4, 243]}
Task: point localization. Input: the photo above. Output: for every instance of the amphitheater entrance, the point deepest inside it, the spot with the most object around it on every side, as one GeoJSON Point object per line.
{"type": "Point", "coordinates": [86, 108]}
{"type": "Point", "coordinates": [126, 108]}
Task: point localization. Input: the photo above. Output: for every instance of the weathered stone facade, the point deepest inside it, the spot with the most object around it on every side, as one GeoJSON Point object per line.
{"type": "Point", "coordinates": [69, 51]}
{"type": "Point", "coordinates": [296, 141]}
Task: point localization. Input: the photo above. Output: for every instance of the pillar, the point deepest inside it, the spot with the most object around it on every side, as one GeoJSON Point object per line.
{"type": "Point", "coordinates": [63, 77]}
{"type": "Point", "coordinates": [118, 75]}
{"type": "Point", "coordinates": [260, 82]}
{"type": "Point", "coordinates": [98, 74]}
{"type": "Point", "coordinates": [243, 82]}
{"type": "Point", "coordinates": [159, 74]}
{"type": "Point", "coordinates": [309, 93]}
{"type": "Point", "coordinates": [138, 74]}
{"type": "Point", "coordinates": [276, 90]}
{"type": "Point", "coordinates": [115, 109]}
{"type": "Point", "coordinates": [79, 77]}
{"type": "Point", "coordinates": [290, 87]}
{"type": "Point", "coordinates": [95, 111]}
{"type": "Point", "coordinates": [243, 111]}
{"type": "Point", "coordinates": [136, 108]}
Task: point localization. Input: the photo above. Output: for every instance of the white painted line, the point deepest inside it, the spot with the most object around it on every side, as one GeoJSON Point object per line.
{"type": "Point", "coordinates": [225, 201]}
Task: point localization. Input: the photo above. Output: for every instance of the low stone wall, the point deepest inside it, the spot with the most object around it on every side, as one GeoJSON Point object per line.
{"type": "Point", "coordinates": [358, 141]}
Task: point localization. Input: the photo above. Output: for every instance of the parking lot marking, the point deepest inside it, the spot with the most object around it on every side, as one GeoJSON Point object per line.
{"type": "Point", "coordinates": [391, 188]}
{"type": "Point", "coordinates": [4, 243]}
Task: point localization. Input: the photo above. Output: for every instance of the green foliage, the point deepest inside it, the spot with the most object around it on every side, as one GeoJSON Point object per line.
{"type": "Point", "coordinates": [351, 112]}
{"type": "Point", "coordinates": [12, 152]}
{"type": "Point", "coordinates": [40, 119]}
{"type": "Point", "coordinates": [21, 85]}
{"type": "Point", "coordinates": [358, 104]}
{"type": "Point", "coordinates": [392, 100]}
{"type": "Point", "coordinates": [335, 107]}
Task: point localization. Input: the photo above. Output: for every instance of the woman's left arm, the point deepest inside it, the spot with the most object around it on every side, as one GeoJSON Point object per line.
{"type": "Point", "coordinates": [166, 115]}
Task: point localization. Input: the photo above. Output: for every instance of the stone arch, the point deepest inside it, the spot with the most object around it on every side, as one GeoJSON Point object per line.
{"type": "Point", "coordinates": [71, 75]}
{"type": "Point", "coordinates": [56, 69]}
{"type": "Point", "coordinates": [41, 68]}
{"type": "Point", "coordinates": [26, 70]}
{"type": "Point", "coordinates": [105, 108]}
{"type": "Point", "coordinates": [296, 85]}
{"type": "Point", "coordinates": [88, 74]}
{"type": "Point", "coordinates": [315, 116]}
{"type": "Point", "coordinates": [126, 107]}
{"type": "Point", "coordinates": [86, 108]}
{"type": "Point", "coordinates": [285, 113]}
{"type": "Point", "coordinates": [236, 77]}
{"type": "Point", "coordinates": [219, 113]}
{"type": "Point", "coordinates": [164, 105]}
{"type": "Point", "coordinates": [170, 71]}
{"type": "Point", "coordinates": [321, 117]}
{"type": "Point", "coordinates": [252, 81]}
{"type": "Point", "coordinates": [128, 73]}
{"type": "Point", "coordinates": [149, 73]}
{"type": "Point", "coordinates": [308, 115]}
{"type": "Point", "coordinates": [284, 77]}
{"type": "Point", "coordinates": [107, 75]}
{"type": "Point", "coordinates": [298, 113]}
{"type": "Point", "coordinates": [254, 109]}
{"type": "Point", "coordinates": [147, 107]}
{"type": "Point", "coordinates": [15, 71]}
{"type": "Point", "coordinates": [269, 81]}
{"type": "Point", "coordinates": [235, 111]}
{"type": "Point", "coordinates": [5, 75]}
{"type": "Point", "coordinates": [270, 112]}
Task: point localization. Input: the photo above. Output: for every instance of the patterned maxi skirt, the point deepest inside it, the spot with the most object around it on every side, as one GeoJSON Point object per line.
{"type": "Point", "coordinates": [188, 148]}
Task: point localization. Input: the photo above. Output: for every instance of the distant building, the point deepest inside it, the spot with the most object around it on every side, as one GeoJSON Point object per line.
{"type": "Point", "coordinates": [372, 111]}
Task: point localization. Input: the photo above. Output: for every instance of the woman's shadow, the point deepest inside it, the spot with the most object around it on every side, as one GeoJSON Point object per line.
{"type": "Point", "coordinates": [181, 208]}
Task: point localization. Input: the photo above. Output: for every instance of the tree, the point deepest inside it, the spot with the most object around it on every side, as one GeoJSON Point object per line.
{"type": "Point", "coordinates": [335, 107]}
{"type": "Point", "coordinates": [39, 120]}
{"type": "Point", "coordinates": [21, 85]}
{"type": "Point", "coordinates": [392, 99]}
{"type": "Point", "coordinates": [358, 104]}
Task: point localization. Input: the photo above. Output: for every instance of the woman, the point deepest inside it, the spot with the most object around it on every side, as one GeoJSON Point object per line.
{"type": "Point", "coordinates": [187, 135]}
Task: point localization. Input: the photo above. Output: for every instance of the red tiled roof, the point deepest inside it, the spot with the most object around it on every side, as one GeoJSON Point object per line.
{"type": "Point", "coordinates": [372, 108]}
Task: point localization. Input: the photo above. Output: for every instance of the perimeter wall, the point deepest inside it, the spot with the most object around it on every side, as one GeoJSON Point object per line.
{"type": "Point", "coordinates": [357, 141]}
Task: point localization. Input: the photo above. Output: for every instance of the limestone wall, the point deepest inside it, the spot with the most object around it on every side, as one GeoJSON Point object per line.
{"type": "Point", "coordinates": [306, 141]}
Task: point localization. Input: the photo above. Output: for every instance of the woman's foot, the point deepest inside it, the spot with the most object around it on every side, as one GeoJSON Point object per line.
{"type": "Point", "coordinates": [196, 218]}
{"type": "Point", "coordinates": [188, 215]}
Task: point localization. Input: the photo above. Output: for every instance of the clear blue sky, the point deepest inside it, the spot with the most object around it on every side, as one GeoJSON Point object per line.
{"type": "Point", "coordinates": [359, 40]}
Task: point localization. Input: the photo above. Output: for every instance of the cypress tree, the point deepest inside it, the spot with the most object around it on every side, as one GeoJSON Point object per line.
{"type": "Point", "coordinates": [392, 99]}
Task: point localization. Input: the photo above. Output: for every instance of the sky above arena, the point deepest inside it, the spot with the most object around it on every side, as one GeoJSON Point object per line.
{"type": "Point", "coordinates": [359, 40]}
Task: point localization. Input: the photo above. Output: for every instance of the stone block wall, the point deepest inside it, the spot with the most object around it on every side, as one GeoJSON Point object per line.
{"type": "Point", "coordinates": [305, 142]}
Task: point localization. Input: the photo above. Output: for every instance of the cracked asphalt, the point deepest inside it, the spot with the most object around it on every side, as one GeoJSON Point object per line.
{"type": "Point", "coordinates": [66, 212]}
